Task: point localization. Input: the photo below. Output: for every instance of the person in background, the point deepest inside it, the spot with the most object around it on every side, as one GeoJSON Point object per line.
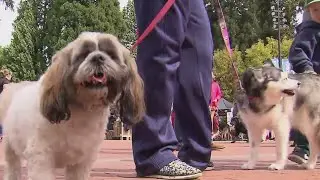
{"type": "Point", "coordinates": [5, 78]}
{"type": "Point", "coordinates": [304, 57]}
{"type": "Point", "coordinates": [175, 63]}
{"type": "Point", "coordinates": [114, 115]}
{"type": "Point", "coordinates": [216, 95]}
{"type": "Point", "coordinates": [237, 125]}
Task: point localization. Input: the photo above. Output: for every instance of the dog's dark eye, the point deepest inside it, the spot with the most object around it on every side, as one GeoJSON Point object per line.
{"type": "Point", "coordinates": [86, 49]}
{"type": "Point", "coordinates": [84, 54]}
{"type": "Point", "coordinates": [81, 56]}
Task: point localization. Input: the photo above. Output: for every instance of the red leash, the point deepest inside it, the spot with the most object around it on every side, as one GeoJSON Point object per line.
{"type": "Point", "coordinates": [153, 23]}
{"type": "Point", "coordinates": [225, 35]}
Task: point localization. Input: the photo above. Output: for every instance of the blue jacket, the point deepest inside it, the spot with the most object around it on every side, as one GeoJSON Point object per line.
{"type": "Point", "coordinates": [304, 53]}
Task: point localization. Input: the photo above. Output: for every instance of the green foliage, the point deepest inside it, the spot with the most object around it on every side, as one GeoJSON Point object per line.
{"type": "Point", "coordinates": [223, 70]}
{"type": "Point", "coordinates": [67, 19]}
{"type": "Point", "coordinates": [252, 57]}
{"type": "Point", "coordinates": [2, 56]}
{"type": "Point", "coordinates": [259, 52]}
{"type": "Point", "coordinates": [21, 56]}
{"type": "Point", "coordinates": [130, 35]}
{"type": "Point", "coordinates": [250, 20]}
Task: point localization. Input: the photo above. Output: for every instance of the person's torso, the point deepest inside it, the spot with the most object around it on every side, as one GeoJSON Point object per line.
{"type": "Point", "coordinates": [311, 28]}
{"type": "Point", "coordinates": [3, 81]}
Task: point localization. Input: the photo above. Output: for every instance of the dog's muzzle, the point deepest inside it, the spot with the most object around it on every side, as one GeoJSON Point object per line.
{"type": "Point", "coordinates": [97, 80]}
{"type": "Point", "coordinates": [291, 92]}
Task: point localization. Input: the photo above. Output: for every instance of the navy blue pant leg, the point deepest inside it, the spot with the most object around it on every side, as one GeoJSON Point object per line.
{"type": "Point", "coordinates": [158, 59]}
{"type": "Point", "coordinates": [177, 130]}
{"type": "Point", "coordinates": [192, 97]}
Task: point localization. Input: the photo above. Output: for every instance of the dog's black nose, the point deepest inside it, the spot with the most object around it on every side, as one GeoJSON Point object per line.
{"type": "Point", "coordinates": [98, 58]}
{"type": "Point", "coordinates": [299, 83]}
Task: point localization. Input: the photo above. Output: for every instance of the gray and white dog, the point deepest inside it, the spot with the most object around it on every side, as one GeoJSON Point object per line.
{"type": "Point", "coordinates": [277, 101]}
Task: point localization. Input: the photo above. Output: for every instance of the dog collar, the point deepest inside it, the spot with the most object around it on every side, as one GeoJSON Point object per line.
{"type": "Point", "coordinates": [269, 109]}
{"type": "Point", "coordinates": [252, 98]}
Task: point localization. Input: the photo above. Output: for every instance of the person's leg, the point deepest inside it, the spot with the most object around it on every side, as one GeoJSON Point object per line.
{"type": "Point", "coordinates": [215, 124]}
{"type": "Point", "coordinates": [191, 103]}
{"type": "Point", "coordinates": [158, 59]}
{"type": "Point", "coordinates": [177, 130]}
{"type": "Point", "coordinates": [235, 135]}
{"type": "Point", "coordinates": [1, 134]}
{"type": "Point", "coordinates": [215, 128]}
{"type": "Point", "coordinates": [300, 153]}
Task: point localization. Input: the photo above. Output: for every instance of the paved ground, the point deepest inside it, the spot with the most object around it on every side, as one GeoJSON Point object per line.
{"type": "Point", "coordinates": [115, 163]}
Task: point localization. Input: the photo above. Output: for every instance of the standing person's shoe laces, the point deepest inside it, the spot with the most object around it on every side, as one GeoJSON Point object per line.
{"type": "Point", "coordinates": [298, 156]}
{"type": "Point", "coordinates": [177, 170]}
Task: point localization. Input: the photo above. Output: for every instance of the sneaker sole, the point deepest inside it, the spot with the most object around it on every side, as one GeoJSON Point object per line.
{"type": "Point", "coordinates": [217, 148]}
{"type": "Point", "coordinates": [209, 169]}
{"type": "Point", "coordinates": [193, 176]}
{"type": "Point", "coordinates": [297, 159]}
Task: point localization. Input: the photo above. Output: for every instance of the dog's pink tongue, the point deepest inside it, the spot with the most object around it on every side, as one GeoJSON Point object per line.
{"type": "Point", "coordinates": [99, 78]}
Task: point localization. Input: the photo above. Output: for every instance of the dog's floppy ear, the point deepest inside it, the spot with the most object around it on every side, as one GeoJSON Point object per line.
{"type": "Point", "coordinates": [268, 63]}
{"type": "Point", "coordinates": [53, 100]}
{"type": "Point", "coordinates": [132, 104]}
{"type": "Point", "coordinates": [247, 80]}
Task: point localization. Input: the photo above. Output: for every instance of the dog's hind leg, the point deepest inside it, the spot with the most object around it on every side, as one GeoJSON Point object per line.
{"type": "Point", "coordinates": [314, 151]}
{"type": "Point", "coordinates": [282, 132]}
{"type": "Point", "coordinates": [255, 135]}
{"type": "Point", "coordinates": [12, 163]}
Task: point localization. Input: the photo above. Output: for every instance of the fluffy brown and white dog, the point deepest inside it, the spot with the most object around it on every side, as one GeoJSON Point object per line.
{"type": "Point", "coordinates": [59, 121]}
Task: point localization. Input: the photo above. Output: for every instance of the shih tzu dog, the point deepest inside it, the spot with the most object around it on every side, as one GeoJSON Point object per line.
{"type": "Point", "coordinates": [59, 121]}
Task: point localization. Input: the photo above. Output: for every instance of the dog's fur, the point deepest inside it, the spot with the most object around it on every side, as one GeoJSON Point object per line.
{"type": "Point", "coordinates": [59, 121]}
{"type": "Point", "coordinates": [272, 101]}
{"type": "Point", "coordinates": [7, 94]}
{"type": "Point", "coordinates": [237, 127]}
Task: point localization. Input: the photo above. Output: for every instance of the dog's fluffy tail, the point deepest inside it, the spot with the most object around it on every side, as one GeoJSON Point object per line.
{"type": "Point", "coordinates": [7, 94]}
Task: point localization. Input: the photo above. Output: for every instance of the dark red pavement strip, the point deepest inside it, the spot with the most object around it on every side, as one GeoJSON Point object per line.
{"type": "Point", "coordinates": [116, 163]}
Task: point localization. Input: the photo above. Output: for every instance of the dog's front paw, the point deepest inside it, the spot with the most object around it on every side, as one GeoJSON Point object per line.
{"type": "Point", "coordinates": [276, 166]}
{"type": "Point", "coordinates": [248, 166]}
{"type": "Point", "coordinates": [309, 166]}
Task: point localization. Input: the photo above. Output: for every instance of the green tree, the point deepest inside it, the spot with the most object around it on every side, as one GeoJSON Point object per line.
{"type": "Point", "coordinates": [21, 56]}
{"type": "Point", "coordinates": [244, 22]}
{"type": "Point", "coordinates": [252, 57]}
{"type": "Point", "coordinates": [223, 70]}
{"type": "Point", "coordinates": [2, 56]}
{"type": "Point", "coordinates": [67, 19]}
{"type": "Point", "coordinates": [250, 20]}
{"type": "Point", "coordinates": [260, 51]}
{"type": "Point", "coordinates": [129, 17]}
